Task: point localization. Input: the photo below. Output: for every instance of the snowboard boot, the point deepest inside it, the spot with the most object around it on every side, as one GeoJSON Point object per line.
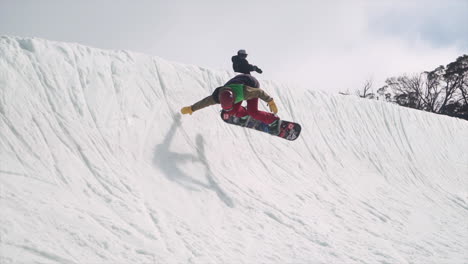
{"type": "Point", "coordinates": [274, 128]}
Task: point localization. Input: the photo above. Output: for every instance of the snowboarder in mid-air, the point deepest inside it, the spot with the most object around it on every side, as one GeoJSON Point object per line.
{"type": "Point", "coordinates": [233, 93]}
{"type": "Point", "coordinates": [241, 65]}
{"type": "Point", "coordinates": [245, 87]}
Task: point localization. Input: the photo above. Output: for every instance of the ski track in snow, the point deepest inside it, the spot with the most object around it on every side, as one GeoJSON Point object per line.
{"type": "Point", "coordinates": [98, 166]}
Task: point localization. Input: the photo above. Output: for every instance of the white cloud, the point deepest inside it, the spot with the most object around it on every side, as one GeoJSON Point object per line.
{"type": "Point", "coordinates": [332, 45]}
{"type": "Point", "coordinates": [348, 49]}
{"type": "Point", "coordinates": [348, 67]}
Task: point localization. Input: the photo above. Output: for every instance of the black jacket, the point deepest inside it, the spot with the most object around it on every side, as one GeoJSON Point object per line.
{"type": "Point", "coordinates": [245, 79]}
{"type": "Point", "coordinates": [241, 65]}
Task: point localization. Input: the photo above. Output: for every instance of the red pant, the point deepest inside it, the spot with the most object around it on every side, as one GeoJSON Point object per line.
{"type": "Point", "coordinates": [252, 110]}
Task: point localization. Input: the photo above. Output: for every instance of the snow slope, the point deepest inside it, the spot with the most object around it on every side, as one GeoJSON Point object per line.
{"type": "Point", "coordinates": [97, 166]}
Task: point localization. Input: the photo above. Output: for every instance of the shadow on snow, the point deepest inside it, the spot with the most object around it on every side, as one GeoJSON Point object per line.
{"type": "Point", "coordinates": [170, 163]}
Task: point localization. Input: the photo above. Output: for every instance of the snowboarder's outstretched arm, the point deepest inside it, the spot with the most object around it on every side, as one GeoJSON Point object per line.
{"type": "Point", "coordinates": [252, 92]}
{"type": "Point", "coordinates": [249, 93]}
{"type": "Point", "coordinates": [205, 102]}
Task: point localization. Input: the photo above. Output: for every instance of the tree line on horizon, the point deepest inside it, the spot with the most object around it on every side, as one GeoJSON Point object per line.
{"type": "Point", "coordinates": [443, 90]}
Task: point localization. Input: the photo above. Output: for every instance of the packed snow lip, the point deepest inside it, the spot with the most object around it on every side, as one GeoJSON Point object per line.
{"type": "Point", "coordinates": [99, 166]}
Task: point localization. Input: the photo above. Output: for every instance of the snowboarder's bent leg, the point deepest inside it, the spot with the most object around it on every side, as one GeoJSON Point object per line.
{"type": "Point", "coordinates": [237, 110]}
{"type": "Point", "coordinates": [252, 110]}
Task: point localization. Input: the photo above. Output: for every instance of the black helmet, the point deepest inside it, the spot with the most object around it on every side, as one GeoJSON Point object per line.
{"type": "Point", "coordinates": [242, 52]}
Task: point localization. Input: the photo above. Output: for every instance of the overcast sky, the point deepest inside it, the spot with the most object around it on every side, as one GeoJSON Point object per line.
{"type": "Point", "coordinates": [332, 45]}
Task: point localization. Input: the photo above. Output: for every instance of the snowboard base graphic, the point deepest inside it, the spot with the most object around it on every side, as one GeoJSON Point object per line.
{"type": "Point", "coordinates": [287, 130]}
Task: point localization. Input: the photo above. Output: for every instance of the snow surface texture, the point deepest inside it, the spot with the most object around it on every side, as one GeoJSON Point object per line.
{"type": "Point", "coordinates": [97, 166]}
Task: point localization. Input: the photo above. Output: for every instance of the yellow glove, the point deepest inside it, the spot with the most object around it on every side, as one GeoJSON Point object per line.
{"type": "Point", "coordinates": [186, 110]}
{"type": "Point", "coordinates": [273, 107]}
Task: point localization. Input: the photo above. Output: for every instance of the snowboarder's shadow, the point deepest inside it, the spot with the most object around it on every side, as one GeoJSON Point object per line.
{"type": "Point", "coordinates": [169, 162]}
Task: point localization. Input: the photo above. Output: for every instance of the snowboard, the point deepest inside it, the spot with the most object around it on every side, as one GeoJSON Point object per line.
{"type": "Point", "coordinates": [288, 130]}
